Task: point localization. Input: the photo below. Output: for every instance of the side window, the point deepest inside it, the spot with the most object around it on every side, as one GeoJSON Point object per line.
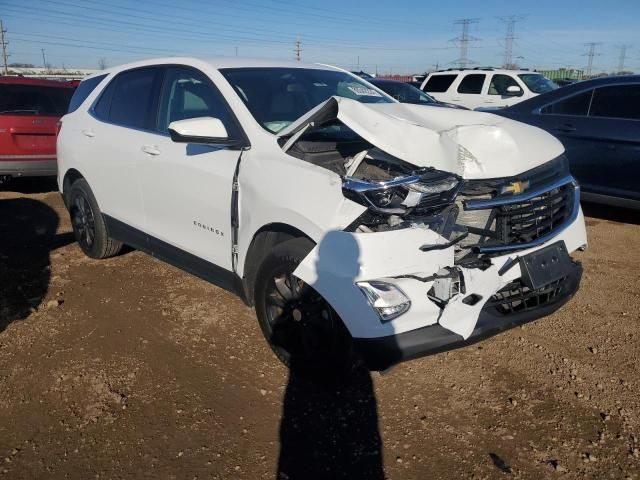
{"type": "Point", "coordinates": [103, 105]}
{"type": "Point", "coordinates": [133, 98]}
{"type": "Point", "coordinates": [439, 83]}
{"type": "Point", "coordinates": [500, 83]}
{"type": "Point", "coordinates": [575, 105]}
{"type": "Point", "coordinates": [187, 93]}
{"type": "Point", "coordinates": [472, 83]}
{"type": "Point", "coordinates": [619, 101]}
{"type": "Point", "coordinates": [83, 91]}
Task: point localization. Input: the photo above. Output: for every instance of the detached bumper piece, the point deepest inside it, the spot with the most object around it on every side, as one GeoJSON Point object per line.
{"type": "Point", "coordinates": [512, 306]}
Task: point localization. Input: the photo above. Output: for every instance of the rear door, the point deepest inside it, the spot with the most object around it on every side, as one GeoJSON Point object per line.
{"type": "Point", "coordinates": [28, 118]}
{"type": "Point", "coordinates": [614, 125]}
{"type": "Point", "coordinates": [125, 114]}
{"type": "Point", "coordinates": [187, 188]}
{"type": "Point", "coordinates": [469, 90]}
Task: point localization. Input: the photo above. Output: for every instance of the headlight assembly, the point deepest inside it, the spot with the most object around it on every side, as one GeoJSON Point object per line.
{"type": "Point", "coordinates": [429, 190]}
{"type": "Point", "coordinates": [387, 300]}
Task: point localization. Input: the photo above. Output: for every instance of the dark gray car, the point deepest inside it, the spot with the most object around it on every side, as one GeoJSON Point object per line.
{"type": "Point", "coordinates": [598, 121]}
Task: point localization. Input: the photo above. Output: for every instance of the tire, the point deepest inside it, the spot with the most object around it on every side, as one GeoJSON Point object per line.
{"type": "Point", "coordinates": [88, 224]}
{"type": "Point", "coordinates": [302, 329]}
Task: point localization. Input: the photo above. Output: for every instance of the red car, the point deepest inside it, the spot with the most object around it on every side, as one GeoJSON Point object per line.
{"type": "Point", "coordinates": [29, 114]}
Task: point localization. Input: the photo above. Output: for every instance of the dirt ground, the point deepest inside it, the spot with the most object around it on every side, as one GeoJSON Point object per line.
{"type": "Point", "coordinates": [130, 368]}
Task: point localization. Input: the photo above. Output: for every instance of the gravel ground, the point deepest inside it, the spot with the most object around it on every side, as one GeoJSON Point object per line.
{"type": "Point", "coordinates": [129, 368]}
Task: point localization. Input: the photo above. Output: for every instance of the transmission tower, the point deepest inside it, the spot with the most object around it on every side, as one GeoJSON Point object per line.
{"type": "Point", "coordinates": [5, 55]}
{"type": "Point", "coordinates": [590, 54]}
{"type": "Point", "coordinates": [464, 40]}
{"type": "Point", "coordinates": [622, 57]}
{"type": "Point", "coordinates": [510, 36]}
{"type": "Point", "coordinates": [298, 50]}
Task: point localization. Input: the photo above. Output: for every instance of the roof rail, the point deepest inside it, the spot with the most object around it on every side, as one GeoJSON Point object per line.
{"type": "Point", "coordinates": [484, 68]}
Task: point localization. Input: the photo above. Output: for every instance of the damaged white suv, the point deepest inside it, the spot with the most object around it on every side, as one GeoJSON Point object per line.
{"type": "Point", "coordinates": [354, 224]}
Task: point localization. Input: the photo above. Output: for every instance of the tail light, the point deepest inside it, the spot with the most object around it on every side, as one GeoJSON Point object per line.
{"type": "Point", "coordinates": [58, 127]}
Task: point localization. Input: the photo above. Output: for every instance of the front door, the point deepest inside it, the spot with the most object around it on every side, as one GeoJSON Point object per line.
{"type": "Point", "coordinates": [187, 188]}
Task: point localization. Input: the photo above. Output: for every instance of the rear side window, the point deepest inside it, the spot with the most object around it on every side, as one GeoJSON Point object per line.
{"type": "Point", "coordinates": [439, 83]}
{"type": "Point", "coordinates": [130, 98]}
{"type": "Point", "coordinates": [576, 105]}
{"type": "Point", "coordinates": [619, 101]}
{"type": "Point", "coordinates": [472, 83]}
{"type": "Point", "coordinates": [34, 100]}
{"type": "Point", "coordinates": [83, 91]}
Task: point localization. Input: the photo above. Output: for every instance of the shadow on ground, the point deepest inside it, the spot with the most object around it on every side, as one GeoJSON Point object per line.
{"type": "Point", "coordinates": [27, 235]}
{"type": "Point", "coordinates": [30, 185]}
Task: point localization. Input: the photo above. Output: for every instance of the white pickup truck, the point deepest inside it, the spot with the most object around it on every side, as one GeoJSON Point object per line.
{"type": "Point", "coordinates": [357, 226]}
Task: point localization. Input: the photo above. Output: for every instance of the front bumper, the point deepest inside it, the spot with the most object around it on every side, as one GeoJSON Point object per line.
{"type": "Point", "coordinates": [380, 353]}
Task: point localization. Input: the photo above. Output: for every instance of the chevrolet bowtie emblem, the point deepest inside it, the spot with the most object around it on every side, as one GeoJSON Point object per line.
{"type": "Point", "coordinates": [515, 187]}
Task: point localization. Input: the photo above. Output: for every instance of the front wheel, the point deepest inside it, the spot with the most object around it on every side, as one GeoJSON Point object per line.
{"type": "Point", "coordinates": [302, 329]}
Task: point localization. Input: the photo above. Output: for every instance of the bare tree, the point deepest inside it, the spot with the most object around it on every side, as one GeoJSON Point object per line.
{"type": "Point", "coordinates": [102, 63]}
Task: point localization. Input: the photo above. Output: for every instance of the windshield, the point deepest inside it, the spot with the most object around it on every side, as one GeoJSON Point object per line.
{"type": "Point", "coordinates": [405, 93]}
{"type": "Point", "coordinates": [537, 83]}
{"type": "Point", "coordinates": [278, 96]}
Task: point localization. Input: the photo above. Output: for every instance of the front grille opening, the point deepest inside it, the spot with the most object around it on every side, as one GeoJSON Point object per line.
{"type": "Point", "coordinates": [517, 297]}
{"type": "Point", "coordinates": [527, 221]}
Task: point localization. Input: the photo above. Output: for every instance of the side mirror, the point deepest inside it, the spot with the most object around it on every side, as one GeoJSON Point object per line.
{"type": "Point", "coordinates": [514, 91]}
{"type": "Point", "coordinates": [202, 130]}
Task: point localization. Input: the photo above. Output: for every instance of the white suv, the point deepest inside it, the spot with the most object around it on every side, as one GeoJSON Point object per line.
{"type": "Point", "coordinates": [359, 227]}
{"type": "Point", "coordinates": [485, 87]}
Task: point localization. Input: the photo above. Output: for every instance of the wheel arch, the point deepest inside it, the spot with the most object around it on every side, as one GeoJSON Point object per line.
{"type": "Point", "coordinates": [265, 238]}
{"type": "Point", "coordinates": [70, 176]}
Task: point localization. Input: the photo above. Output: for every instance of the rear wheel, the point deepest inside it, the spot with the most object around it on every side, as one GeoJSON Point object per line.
{"type": "Point", "coordinates": [88, 224]}
{"type": "Point", "coordinates": [302, 329]}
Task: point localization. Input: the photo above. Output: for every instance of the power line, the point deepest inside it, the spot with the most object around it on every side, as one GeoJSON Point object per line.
{"type": "Point", "coordinates": [622, 57]}
{"type": "Point", "coordinates": [464, 40]}
{"type": "Point", "coordinates": [590, 54]}
{"type": "Point", "coordinates": [4, 48]}
{"type": "Point", "coordinates": [509, 38]}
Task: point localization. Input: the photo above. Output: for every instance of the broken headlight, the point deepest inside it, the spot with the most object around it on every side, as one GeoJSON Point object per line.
{"type": "Point", "coordinates": [386, 299]}
{"type": "Point", "coordinates": [430, 190]}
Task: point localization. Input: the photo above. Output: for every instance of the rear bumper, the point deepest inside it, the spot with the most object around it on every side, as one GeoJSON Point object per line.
{"type": "Point", "coordinates": [28, 165]}
{"type": "Point", "coordinates": [381, 353]}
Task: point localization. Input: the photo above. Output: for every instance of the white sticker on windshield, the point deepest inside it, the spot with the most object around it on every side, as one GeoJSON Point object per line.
{"type": "Point", "coordinates": [364, 92]}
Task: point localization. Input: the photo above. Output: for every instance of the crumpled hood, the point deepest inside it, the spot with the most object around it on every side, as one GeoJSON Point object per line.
{"type": "Point", "coordinates": [470, 144]}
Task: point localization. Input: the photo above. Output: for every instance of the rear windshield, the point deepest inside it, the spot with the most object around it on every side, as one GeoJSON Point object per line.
{"type": "Point", "coordinates": [34, 100]}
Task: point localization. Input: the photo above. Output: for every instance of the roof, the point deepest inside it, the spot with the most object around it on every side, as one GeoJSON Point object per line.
{"type": "Point", "coordinates": [15, 80]}
{"type": "Point", "coordinates": [219, 63]}
{"type": "Point", "coordinates": [482, 69]}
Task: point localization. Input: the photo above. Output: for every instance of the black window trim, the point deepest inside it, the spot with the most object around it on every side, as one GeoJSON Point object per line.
{"type": "Point", "coordinates": [241, 142]}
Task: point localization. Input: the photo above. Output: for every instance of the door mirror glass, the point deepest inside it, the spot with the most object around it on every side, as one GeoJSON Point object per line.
{"type": "Point", "coordinates": [514, 90]}
{"type": "Point", "coordinates": [204, 130]}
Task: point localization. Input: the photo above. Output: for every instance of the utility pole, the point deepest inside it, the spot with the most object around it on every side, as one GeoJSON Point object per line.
{"type": "Point", "coordinates": [622, 57]}
{"type": "Point", "coordinates": [4, 48]}
{"type": "Point", "coordinates": [590, 54]}
{"type": "Point", "coordinates": [464, 40]}
{"type": "Point", "coordinates": [44, 60]}
{"type": "Point", "coordinates": [298, 50]}
{"type": "Point", "coordinates": [236, 51]}
{"type": "Point", "coordinates": [510, 36]}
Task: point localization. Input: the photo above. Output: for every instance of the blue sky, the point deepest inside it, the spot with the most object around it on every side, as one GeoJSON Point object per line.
{"type": "Point", "coordinates": [403, 36]}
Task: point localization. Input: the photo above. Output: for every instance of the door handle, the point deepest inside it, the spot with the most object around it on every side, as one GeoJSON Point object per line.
{"type": "Point", "coordinates": [151, 150]}
{"type": "Point", "coordinates": [567, 127]}
{"type": "Point", "coordinates": [88, 133]}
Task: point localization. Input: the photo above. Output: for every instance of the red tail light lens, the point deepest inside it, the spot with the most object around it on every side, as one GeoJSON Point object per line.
{"type": "Point", "coordinates": [58, 127]}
